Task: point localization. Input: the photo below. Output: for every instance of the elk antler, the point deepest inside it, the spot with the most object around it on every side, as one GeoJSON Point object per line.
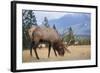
{"type": "Point", "coordinates": [66, 48]}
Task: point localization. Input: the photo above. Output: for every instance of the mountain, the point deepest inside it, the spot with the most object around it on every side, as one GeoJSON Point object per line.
{"type": "Point", "coordinates": [80, 23]}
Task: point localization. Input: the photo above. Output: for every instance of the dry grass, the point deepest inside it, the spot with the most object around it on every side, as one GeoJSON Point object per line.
{"type": "Point", "coordinates": [80, 52]}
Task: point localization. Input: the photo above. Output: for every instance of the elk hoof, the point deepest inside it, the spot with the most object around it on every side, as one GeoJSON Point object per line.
{"type": "Point", "coordinates": [38, 58]}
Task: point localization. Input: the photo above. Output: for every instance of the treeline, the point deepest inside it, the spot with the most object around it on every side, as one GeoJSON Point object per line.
{"type": "Point", "coordinates": [76, 39]}
{"type": "Point", "coordinates": [83, 41]}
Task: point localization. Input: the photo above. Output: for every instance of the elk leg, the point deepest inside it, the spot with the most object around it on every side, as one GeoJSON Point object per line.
{"type": "Point", "coordinates": [49, 50]}
{"type": "Point", "coordinates": [36, 54]}
{"type": "Point", "coordinates": [55, 52]}
{"type": "Point", "coordinates": [31, 48]}
{"type": "Point", "coordinates": [35, 46]}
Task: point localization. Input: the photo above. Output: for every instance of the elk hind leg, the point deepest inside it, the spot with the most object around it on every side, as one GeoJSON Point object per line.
{"type": "Point", "coordinates": [35, 47]}
{"type": "Point", "coordinates": [31, 46]}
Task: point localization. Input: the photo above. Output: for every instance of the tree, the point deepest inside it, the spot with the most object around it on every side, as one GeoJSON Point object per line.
{"type": "Point", "coordinates": [70, 36]}
{"type": "Point", "coordinates": [54, 27]}
{"type": "Point", "coordinates": [33, 19]}
{"type": "Point", "coordinates": [45, 22]}
{"type": "Point", "coordinates": [28, 19]}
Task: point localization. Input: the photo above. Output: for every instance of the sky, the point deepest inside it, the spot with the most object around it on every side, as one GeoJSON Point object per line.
{"type": "Point", "coordinates": [50, 15]}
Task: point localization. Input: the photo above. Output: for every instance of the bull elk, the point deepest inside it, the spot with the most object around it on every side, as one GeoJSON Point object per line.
{"type": "Point", "coordinates": [43, 34]}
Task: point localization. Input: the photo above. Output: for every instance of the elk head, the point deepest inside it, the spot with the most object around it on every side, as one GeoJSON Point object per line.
{"type": "Point", "coordinates": [58, 46]}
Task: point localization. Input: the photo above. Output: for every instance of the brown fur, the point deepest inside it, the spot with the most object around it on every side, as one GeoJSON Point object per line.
{"type": "Point", "coordinates": [49, 35]}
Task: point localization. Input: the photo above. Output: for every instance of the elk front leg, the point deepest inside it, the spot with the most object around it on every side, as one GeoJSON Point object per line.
{"type": "Point", "coordinates": [55, 52]}
{"type": "Point", "coordinates": [36, 54]}
{"type": "Point", "coordinates": [49, 50]}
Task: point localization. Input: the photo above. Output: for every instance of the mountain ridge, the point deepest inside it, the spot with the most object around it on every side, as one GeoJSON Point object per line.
{"type": "Point", "coordinates": [80, 23]}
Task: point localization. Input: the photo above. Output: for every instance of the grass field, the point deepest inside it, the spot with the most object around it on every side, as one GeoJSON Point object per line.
{"type": "Point", "coordinates": [79, 52]}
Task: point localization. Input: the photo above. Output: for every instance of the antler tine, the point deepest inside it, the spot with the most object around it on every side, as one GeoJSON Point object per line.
{"type": "Point", "coordinates": [66, 48]}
